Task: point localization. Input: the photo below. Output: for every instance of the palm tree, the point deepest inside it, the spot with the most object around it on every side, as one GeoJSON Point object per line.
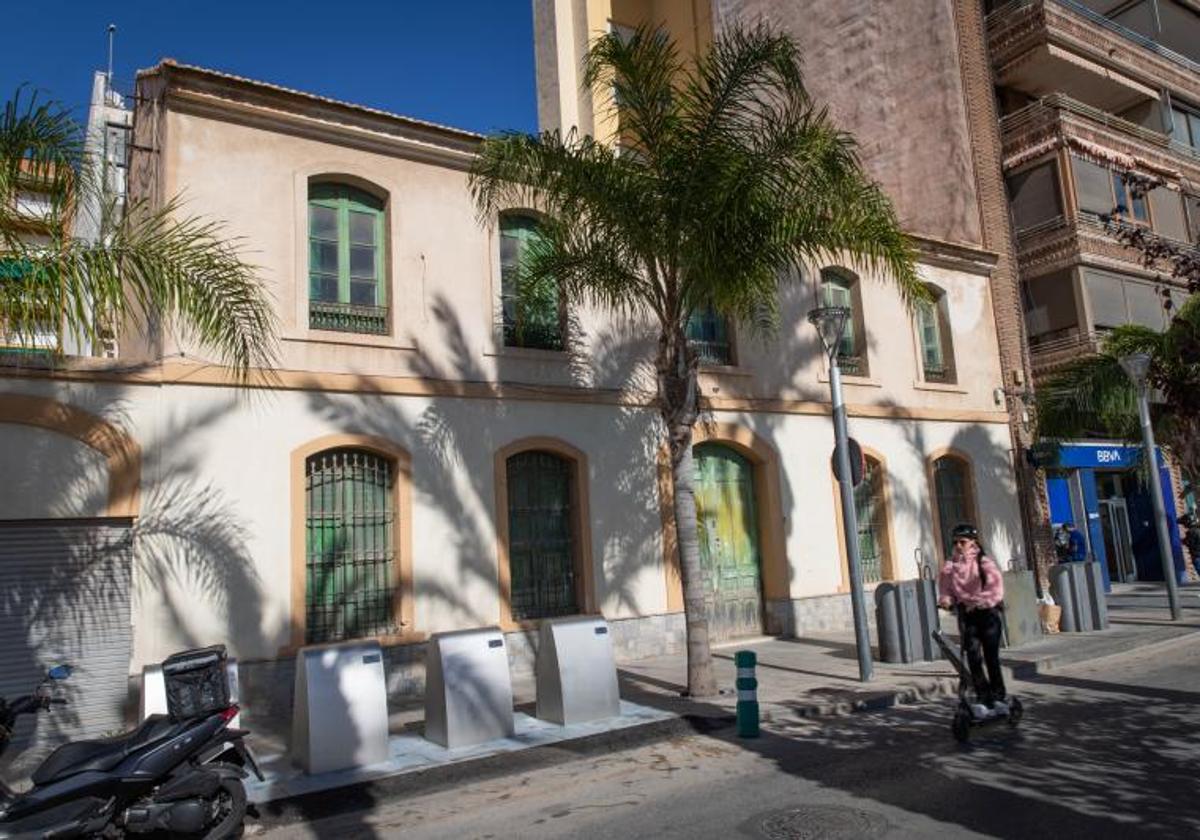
{"type": "Point", "coordinates": [1093, 396]}
{"type": "Point", "coordinates": [725, 177]}
{"type": "Point", "coordinates": [147, 265]}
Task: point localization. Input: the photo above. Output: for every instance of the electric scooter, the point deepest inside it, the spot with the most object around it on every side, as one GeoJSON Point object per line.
{"type": "Point", "coordinates": [971, 711]}
{"type": "Point", "coordinates": [179, 777]}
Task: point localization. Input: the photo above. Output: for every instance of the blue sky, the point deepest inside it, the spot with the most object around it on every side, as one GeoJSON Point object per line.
{"type": "Point", "coordinates": [466, 63]}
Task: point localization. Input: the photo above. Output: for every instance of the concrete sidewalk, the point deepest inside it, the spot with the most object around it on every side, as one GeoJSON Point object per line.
{"type": "Point", "coordinates": [798, 679]}
{"type": "Point", "coordinates": [818, 675]}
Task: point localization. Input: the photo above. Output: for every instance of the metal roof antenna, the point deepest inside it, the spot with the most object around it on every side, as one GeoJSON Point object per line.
{"type": "Point", "coordinates": [112, 30]}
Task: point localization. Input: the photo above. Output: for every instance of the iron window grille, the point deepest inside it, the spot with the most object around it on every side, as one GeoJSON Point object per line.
{"type": "Point", "coordinates": [350, 554]}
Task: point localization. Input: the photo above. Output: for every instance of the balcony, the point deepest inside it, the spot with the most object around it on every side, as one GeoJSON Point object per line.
{"type": "Point", "coordinates": [1068, 240]}
{"type": "Point", "coordinates": [1057, 118]}
{"type": "Point", "coordinates": [347, 317]}
{"type": "Point", "coordinates": [1051, 352]}
{"type": "Point", "coordinates": [1043, 46]}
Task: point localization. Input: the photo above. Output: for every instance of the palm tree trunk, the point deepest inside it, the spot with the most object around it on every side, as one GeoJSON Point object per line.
{"type": "Point", "coordinates": [679, 404]}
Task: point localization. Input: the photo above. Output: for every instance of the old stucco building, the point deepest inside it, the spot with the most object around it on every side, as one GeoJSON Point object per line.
{"type": "Point", "coordinates": [427, 456]}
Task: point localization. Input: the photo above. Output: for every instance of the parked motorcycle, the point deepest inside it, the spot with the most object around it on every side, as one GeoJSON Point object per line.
{"type": "Point", "coordinates": [172, 777]}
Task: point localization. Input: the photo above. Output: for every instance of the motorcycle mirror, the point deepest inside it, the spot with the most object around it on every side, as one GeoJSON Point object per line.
{"type": "Point", "coordinates": [60, 672]}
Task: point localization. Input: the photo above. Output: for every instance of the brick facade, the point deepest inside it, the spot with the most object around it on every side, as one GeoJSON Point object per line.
{"type": "Point", "coordinates": [983, 121]}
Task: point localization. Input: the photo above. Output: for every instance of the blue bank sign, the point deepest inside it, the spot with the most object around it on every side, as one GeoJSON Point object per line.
{"type": "Point", "coordinates": [1099, 456]}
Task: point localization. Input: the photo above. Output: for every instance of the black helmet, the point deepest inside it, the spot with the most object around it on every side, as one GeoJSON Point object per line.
{"type": "Point", "coordinates": [965, 531]}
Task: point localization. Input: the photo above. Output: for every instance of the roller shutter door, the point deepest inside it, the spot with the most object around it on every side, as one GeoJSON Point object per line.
{"type": "Point", "coordinates": [64, 597]}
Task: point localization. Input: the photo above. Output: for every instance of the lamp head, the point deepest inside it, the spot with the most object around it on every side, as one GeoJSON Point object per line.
{"type": "Point", "coordinates": [1136, 367]}
{"type": "Point", "coordinates": [830, 322]}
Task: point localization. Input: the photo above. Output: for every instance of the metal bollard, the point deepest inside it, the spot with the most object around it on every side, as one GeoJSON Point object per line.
{"type": "Point", "coordinates": [747, 694]}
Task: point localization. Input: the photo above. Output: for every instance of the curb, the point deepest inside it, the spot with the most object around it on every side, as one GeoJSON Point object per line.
{"type": "Point", "coordinates": [1024, 669]}
{"type": "Point", "coordinates": [362, 796]}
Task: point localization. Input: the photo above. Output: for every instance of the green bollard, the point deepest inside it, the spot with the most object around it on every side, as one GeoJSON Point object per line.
{"type": "Point", "coordinates": [747, 694]}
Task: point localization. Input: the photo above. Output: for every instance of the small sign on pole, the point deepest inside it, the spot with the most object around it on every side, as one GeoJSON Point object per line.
{"type": "Point", "coordinates": [858, 463]}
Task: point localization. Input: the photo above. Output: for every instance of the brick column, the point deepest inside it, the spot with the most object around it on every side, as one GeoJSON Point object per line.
{"type": "Point", "coordinates": [984, 128]}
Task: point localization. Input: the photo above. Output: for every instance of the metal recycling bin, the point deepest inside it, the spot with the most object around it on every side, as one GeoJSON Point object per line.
{"type": "Point", "coordinates": [576, 671]}
{"type": "Point", "coordinates": [905, 618]}
{"type": "Point", "coordinates": [468, 688]}
{"type": "Point", "coordinates": [1078, 587]}
{"type": "Point", "coordinates": [339, 712]}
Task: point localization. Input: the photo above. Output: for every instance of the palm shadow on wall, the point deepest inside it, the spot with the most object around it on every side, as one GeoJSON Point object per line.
{"type": "Point", "coordinates": [188, 543]}
{"type": "Point", "coordinates": [453, 440]}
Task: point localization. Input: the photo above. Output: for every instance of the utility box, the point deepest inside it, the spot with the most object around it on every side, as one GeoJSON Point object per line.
{"type": "Point", "coordinates": [154, 691]}
{"type": "Point", "coordinates": [576, 671]}
{"type": "Point", "coordinates": [905, 618]}
{"type": "Point", "coordinates": [1021, 624]}
{"type": "Point", "coordinates": [468, 689]}
{"type": "Point", "coordinates": [1078, 587]}
{"type": "Point", "coordinates": [339, 714]}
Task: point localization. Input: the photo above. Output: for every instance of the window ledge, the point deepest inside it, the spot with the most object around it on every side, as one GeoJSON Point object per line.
{"type": "Point", "coordinates": [386, 342]}
{"type": "Point", "coordinates": [943, 387]}
{"type": "Point", "coordinates": [533, 354]}
{"type": "Point", "coordinates": [857, 381]}
{"type": "Point", "coordinates": [725, 370]}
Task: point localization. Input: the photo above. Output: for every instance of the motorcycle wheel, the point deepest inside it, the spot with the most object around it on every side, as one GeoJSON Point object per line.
{"type": "Point", "coordinates": [231, 816]}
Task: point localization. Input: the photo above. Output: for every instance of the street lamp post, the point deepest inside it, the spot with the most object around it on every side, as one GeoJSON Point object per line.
{"type": "Point", "coordinates": [830, 322]}
{"type": "Point", "coordinates": [1136, 367]}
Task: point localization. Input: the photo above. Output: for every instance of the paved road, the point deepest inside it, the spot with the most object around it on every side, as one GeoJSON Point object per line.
{"type": "Point", "coordinates": [1111, 749]}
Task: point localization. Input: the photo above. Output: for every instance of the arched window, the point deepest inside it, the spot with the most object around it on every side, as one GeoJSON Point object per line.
{"type": "Point", "coordinates": [954, 502]}
{"type": "Point", "coordinates": [346, 288]}
{"type": "Point", "coordinates": [840, 287]}
{"type": "Point", "coordinates": [350, 545]}
{"type": "Point", "coordinates": [870, 503]}
{"type": "Point", "coordinates": [533, 316]}
{"type": "Point", "coordinates": [542, 554]}
{"type": "Point", "coordinates": [935, 337]}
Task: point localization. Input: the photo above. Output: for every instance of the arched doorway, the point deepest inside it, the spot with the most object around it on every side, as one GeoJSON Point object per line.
{"type": "Point", "coordinates": [730, 554]}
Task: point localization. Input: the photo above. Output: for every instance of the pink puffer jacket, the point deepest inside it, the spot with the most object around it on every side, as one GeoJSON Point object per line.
{"type": "Point", "coordinates": [959, 583]}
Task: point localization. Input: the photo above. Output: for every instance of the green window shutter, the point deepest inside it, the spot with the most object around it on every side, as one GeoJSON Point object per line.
{"type": "Point", "coordinates": [839, 291]}
{"type": "Point", "coordinates": [708, 333]}
{"type": "Point", "coordinates": [541, 550]}
{"type": "Point", "coordinates": [929, 326]}
{"type": "Point", "coordinates": [868, 504]}
{"type": "Point", "coordinates": [346, 271]}
{"type": "Point", "coordinates": [953, 502]}
{"type": "Point", "coordinates": [349, 507]}
{"type": "Point", "coordinates": [533, 316]}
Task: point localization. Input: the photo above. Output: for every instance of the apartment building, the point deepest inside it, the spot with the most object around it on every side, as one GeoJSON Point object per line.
{"type": "Point", "coordinates": [1091, 90]}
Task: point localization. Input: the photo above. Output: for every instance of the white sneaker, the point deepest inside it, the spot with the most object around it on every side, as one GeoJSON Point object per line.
{"type": "Point", "coordinates": [979, 711]}
{"type": "Point", "coordinates": [999, 708]}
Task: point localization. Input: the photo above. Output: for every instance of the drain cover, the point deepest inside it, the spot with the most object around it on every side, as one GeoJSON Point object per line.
{"type": "Point", "coordinates": [823, 822]}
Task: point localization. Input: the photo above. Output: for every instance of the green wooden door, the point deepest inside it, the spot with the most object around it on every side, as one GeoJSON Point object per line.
{"type": "Point", "coordinates": [729, 551]}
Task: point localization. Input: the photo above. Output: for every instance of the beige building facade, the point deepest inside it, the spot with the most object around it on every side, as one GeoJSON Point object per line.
{"type": "Point", "coordinates": [405, 469]}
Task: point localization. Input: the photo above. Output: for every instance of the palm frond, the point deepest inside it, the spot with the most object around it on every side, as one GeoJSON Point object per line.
{"type": "Point", "coordinates": [147, 267]}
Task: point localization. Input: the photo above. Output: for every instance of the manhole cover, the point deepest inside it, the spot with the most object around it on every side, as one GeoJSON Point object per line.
{"type": "Point", "coordinates": [823, 822]}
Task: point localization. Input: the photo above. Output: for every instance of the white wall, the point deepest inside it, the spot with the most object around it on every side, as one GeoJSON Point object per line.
{"type": "Point", "coordinates": [214, 553]}
{"type": "Point", "coordinates": [47, 474]}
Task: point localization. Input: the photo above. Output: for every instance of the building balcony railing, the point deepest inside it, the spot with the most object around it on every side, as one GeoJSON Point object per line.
{"type": "Point", "coordinates": [347, 317]}
{"type": "Point", "coordinates": [1067, 240]}
{"type": "Point", "coordinates": [1053, 351]}
{"type": "Point", "coordinates": [1016, 28]}
{"type": "Point", "coordinates": [1059, 118]}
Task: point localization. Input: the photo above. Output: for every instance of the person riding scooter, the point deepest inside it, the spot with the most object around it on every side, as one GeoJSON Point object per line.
{"type": "Point", "coordinates": [971, 582]}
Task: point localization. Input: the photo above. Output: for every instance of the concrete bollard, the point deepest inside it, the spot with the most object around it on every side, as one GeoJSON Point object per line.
{"type": "Point", "coordinates": [747, 694]}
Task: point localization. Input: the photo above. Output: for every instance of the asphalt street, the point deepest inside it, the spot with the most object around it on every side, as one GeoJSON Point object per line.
{"type": "Point", "coordinates": [1108, 749]}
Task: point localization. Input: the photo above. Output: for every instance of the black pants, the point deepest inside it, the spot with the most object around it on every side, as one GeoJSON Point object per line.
{"type": "Point", "coordinates": [981, 638]}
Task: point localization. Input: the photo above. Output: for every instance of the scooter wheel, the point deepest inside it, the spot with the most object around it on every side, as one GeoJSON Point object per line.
{"type": "Point", "coordinates": [961, 726]}
{"type": "Point", "coordinates": [1015, 711]}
